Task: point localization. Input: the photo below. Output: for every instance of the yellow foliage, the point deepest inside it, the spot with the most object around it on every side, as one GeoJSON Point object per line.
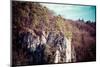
{"type": "Point", "coordinates": [59, 23]}
{"type": "Point", "coordinates": [68, 34]}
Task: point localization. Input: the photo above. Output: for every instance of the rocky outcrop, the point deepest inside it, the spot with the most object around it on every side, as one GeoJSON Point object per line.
{"type": "Point", "coordinates": [68, 50]}
{"type": "Point", "coordinates": [36, 45]}
{"type": "Point", "coordinates": [57, 57]}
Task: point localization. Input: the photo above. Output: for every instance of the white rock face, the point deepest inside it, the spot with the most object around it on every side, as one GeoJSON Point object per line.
{"type": "Point", "coordinates": [68, 50]}
{"type": "Point", "coordinates": [38, 41]}
{"type": "Point", "coordinates": [43, 38]}
{"type": "Point", "coordinates": [69, 55]}
{"type": "Point", "coordinates": [57, 57]}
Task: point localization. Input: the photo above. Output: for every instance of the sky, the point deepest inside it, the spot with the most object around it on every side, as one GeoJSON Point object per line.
{"type": "Point", "coordinates": [73, 12]}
